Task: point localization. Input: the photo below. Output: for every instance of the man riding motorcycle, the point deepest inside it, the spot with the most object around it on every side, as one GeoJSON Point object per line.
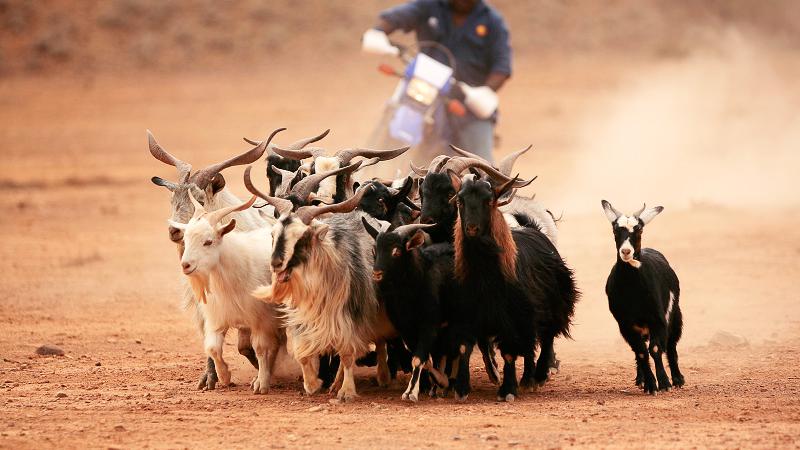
{"type": "Point", "coordinates": [476, 34]}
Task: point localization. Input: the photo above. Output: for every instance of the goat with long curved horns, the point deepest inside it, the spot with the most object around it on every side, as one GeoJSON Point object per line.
{"type": "Point", "coordinates": [321, 275]}
{"type": "Point", "coordinates": [208, 186]}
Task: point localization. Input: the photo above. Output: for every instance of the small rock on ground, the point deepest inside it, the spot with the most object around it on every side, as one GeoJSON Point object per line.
{"type": "Point", "coordinates": [49, 350]}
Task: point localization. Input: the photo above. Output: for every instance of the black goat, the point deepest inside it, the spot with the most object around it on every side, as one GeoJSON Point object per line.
{"type": "Point", "coordinates": [513, 285]}
{"type": "Point", "coordinates": [414, 284]}
{"type": "Point", "coordinates": [643, 293]}
{"type": "Point", "coordinates": [390, 205]}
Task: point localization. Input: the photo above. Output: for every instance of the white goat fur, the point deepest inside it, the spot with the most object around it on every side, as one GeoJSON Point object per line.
{"type": "Point", "coordinates": [249, 219]}
{"type": "Point", "coordinates": [318, 300]}
{"type": "Point", "coordinates": [230, 269]}
{"type": "Point", "coordinates": [327, 187]}
{"type": "Point", "coordinates": [536, 211]}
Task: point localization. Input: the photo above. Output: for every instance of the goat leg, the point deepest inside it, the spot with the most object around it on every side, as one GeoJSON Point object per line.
{"type": "Point", "coordinates": [245, 347]}
{"type": "Point", "coordinates": [486, 346]}
{"type": "Point", "coordinates": [208, 381]}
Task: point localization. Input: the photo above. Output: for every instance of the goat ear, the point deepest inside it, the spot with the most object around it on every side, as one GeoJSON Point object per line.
{"type": "Point", "coordinates": [405, 189]}
{"type": "Point", "coordinates": [650, 213]}
{"type": "Point", "coordinates": [225, 229]}
{"type": "Point", "coordinates": [158, 181]}
{"type": "Point", "coordinates": [504, 188]}
{"type": "Point", "coordinates": [321, 231]}
{"type": "Point", "coordinates": [178, 225]}
{"type": "Point", "coordinates": [217, 183]}
{"type": "Point", "coordinates": [416, 240]}
{"type": "Point", "coordinates": [611, 213]}
{"type": "Point", "coordinates": [454, 180]}
{"type": "Point", "coordinates": [370, 229]}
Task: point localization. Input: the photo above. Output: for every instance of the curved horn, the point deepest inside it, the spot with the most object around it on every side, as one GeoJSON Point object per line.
{"type": "Point", "coordinates": [466, 154]}
{"type": "Point", "coordinates": [204, 176]}
{"type": "Point", "coordinates": [307, 185]}
{"type": "Point", "coordinates": [281, 205]}
{"type": "Point", "coordinates": [308, 213]}
{"type": "Point", "coordinates": [438, 163]}
{"type": "Point", "coordinates": [298, 154]}
{"type": "Point", "coordinates": [405, 230]}
{"type": "Point", "coordinates": [507, 163]}
{"type": "Point", "coordinates": [384, 155]}
{"type": "Point", "coordinates": [214, 217]}
{"type": "Point", "coordinates": [459, 165]}
{"type": "Point", "coordinates": [162, 155]}
{"type": "Point", "coordinates": [296, 145]}
{"type": "Point", "coordinates": [639, 213]}
{"type": "Point", "coordinates": [198, 208]}
{"type": "Point", "coordinates": [418, 170]}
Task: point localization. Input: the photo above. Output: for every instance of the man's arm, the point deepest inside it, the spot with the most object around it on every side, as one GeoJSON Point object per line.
{"type": "Point", "coordinates": [496, 80]}
{"type": "Point", "coordinates": [407, 17]}
{"type": "Point", "coordinates": [501, 57]}
{"type": "Point", "coordinates": [385, 26]}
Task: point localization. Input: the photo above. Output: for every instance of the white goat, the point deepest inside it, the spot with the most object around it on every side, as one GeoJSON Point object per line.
{"type": "Point", "coordinates": [229, 265]}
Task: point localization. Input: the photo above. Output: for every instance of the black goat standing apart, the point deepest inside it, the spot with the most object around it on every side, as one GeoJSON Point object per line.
{"type": "Point", "coordinates": [513, 285]}
{"type": "Point", "coordinates": [414, 283]}
{"type": "Point", "coordinates": [643, 293]}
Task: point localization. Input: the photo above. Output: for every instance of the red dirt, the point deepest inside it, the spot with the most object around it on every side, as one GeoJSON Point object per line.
{"type": "Point", "coordinates": [86, 264]}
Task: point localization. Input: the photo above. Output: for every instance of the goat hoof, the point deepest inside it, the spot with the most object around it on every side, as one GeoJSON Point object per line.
{"type": "Point", "coordinates": [413, 398]}
{"type": "Point", "coordinates": [678, 381]}
{"type": "Point", "coordinates": [510, 398]}
{"type": "Point", "coordinates": [461, 399]}
{"type": "Point", "coordinates": [404, 396]}
{"type": "Point", "coordinates": [346, 398]}
{"type": "Point", "coordinates": [260, 387]}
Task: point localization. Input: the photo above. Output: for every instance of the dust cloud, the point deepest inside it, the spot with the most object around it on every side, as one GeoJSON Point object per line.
{"type": "Point", "coordinates": [717, 128]}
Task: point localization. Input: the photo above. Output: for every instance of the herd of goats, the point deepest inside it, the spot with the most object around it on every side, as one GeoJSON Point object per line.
{"type": "Point", "coordinates": [406, 274]}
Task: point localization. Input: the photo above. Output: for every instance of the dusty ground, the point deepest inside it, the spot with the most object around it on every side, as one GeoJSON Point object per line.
{"type": "Point", "coordinates": [86, 265]}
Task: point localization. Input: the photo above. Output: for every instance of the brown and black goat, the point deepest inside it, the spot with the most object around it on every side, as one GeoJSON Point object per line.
{"type": "Point", "coordinates": [512, 284]}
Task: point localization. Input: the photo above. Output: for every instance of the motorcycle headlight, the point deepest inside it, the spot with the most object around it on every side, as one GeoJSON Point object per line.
{"type": "Point", "coordinates": [422, 91]}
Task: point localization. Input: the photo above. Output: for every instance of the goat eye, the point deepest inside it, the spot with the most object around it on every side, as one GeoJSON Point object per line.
{"type": "Point", "coordinates": [207, 243]}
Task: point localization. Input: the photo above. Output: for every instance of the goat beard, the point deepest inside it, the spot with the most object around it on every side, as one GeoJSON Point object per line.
{"type": "Point", "coordinates": [277, 293]}
{"type": "Point", "coordinates": [199, 285]}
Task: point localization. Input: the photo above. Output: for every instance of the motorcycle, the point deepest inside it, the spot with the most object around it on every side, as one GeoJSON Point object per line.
{"type": "Point", "coordinates": [417, 112]}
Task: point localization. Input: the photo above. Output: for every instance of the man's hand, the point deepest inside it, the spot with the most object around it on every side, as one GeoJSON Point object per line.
{"type": "Point", "coordinates": [376, 41]}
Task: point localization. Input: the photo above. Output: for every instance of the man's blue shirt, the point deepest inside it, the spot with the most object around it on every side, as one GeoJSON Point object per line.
{"type": "Point", "coordinates": [480, 45]}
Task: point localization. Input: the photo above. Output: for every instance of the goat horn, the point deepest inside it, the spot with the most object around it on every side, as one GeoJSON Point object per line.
{"type": "Point", "coordinates": [438, 163]}
{"type": "Point", "coordinates": [308, 213]}
{"type": "Point", "coordinates": [406, 230]}
{"type": "Point", "coordinates": [198, 208]}
{"type": "Point", "coordinates": [466, 154]}
{"type": "Point", "coordinates": [459, 165]}
{"type": "Point", "coordinates": [298, 154]}
{"type": "Point", "coordinates": [346, 155]}
{"type": "Point", "coordinates": [214, 217]}
{"type": "Point", "coordinates": [204, 176]}
{"type": "Point", "coordinates": [304, 187]}
{"type": "Point", "coordinates": [418, 170]}
{"type": "Point", "coordinates": [162, 155]}
{"type": "Point", "coordinates": [507, 163]}
{"type": "Point", "coordinates": [297, 145]}
{"type": "Point", "coordinates": [639, 213]}
{"type": "Point", "coordinates": [281, 205]}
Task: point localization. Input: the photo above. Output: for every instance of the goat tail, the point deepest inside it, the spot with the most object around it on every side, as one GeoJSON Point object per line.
{"type": "Point", "coordinates": [527, 221]}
